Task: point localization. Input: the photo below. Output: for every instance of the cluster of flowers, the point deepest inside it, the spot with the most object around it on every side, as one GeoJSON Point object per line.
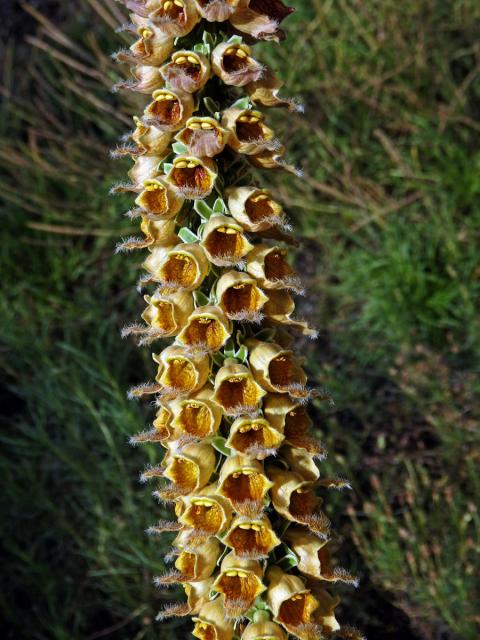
{"type": "Point", "coordinates": [252, 545]}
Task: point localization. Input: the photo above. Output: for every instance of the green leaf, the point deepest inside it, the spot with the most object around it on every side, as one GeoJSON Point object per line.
{"type": "Point", "coordinates": [200, 298]}
{"type": "Point", "coordinates": [219, 206]}
{"type": "Point", "coordinates": [186, 235]}
{"type": "Point", "coordinates": [218, 443]}
{"type": "Point", "coordinates": [242, 354]}
{"type": "Point", "coordinates": [208, 39]}
{"type": "Point", "coordinates": [202, 48]}
{"type": "Point", "coordinates": [229, 350]}
{"type": "Point", "coordinates": [167, 166]}
{"type": "Point", "coordinates": [218, 359]}
{"type": "Point", "coordinates": [211, 106]}
{"type": "Point", "coordinates": [289, 560]}
{"type": "Point", "coordinates": [203, 210]}
{"type": "Point", "coordinates": [235, 40]}
{"type": "Point", "coordinates": [179, 148]}
{"type": "Point", "coordinates": [242, 103]}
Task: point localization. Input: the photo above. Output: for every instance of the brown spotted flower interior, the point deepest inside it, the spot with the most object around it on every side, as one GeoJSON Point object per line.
{"type": "Point", "coordinates": [191, 175]}
{"type": "Point", "coordinates": [179, 269]}
{"type": "Point", "coordinates": [304, 508]}
{"type": "Point", "coordinates": [203, 139]}
{"type": "Point", "coordinates": [235, 60]}
{"type": "Point", "coordinates": [297, 425]}
{"type": "Point", "coordinates": [163, 316]}
{"type": "Point", "coordinates": [204, 515]}
{"type": "Point", "coordinates": [251, 540]}
{"type": "Point", "coordinates": [204, 631]}
{"type": "Point", "coordinates": [259, 208]}
{"type": "Point", "coordinates": [237, 393]}
{"type": "Point", "coordinates": [254, 438]}
{"type": "Point", "coordinates": [225, 242]}
{"type": "Point", "coordinates": [241, 298]}
{"type": "Point", "coordinates": [189, 65]}
{"type": "Point", "coordinates": [154, 198]}
{"type": "Point", "coordinates": [195, 419]}
{"type": "Point", "coordinates": [276, 267]}
{"type": "Point", "coordinates": [179, 374]}
{"type": "Point", "coordinates": [284, 371]}
{"type": "Point", "coordinates": [249, 128]}
{"type": "Point", "coordinates": [165, 108]}
{"type": "Point", "coordinates": [185, 564]}
{"type": "Point", "coordinates": [184, 474]}
{"type": "Point", "coordinates": [297, 610]}
{"type": "Point", "coordinates": [239, 589]}
{"type": "Point", "coordinates": [171, 11]}
{"type": "Point", "coordinates": [245, 489]}
{"type": "Point", "coordinates": [205, 332]}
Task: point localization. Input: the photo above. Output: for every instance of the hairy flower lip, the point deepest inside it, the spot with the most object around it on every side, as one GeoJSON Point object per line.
{"type": "Point", "coordinates": [175, 18]}
{"type": "Point", "coordinates": [169, 110]}
{"type": "Point", "coordinates": [167, 314]}
{"type": "Point", "coordinates": [192, 177]}
{"type": "Point", "coordinates": [254, 208]}
{"type": "Point", "coordinates": [236, 391]}
{"type": "Point", "coordinates": [278, 310]}
{"type": "Point", "coordinates": [254, 437]}
{"type": "Point", "coordinates": [205, 512]}
{"type": "Point", "coordinates": [216, 10]}
{"type": "Point", "coordinates": [224, 242]}
{"type": "Point", "coordinates": [195, 564]}
{"type": "Point", "coordinates": [181, 372]}
{"type": "Point", "coordinates": [211, 623]}
{"type": "Point", "coordinates": [261, 19]}
{"type": "Point", "coordinates": [206, 329]}
{"type": "Point", "coordinates": [145, 79]}
{"type": "Point", "coordinates": [203, 136]}
{"type": "Point", "coordinates": [187, 71]}
{"type": "Point", "coordinates": [268, 266]}
{"type": "Point", "coordinates": [239, 296]}
{"type": "Point", "coordinates": [248, 133]}
{"type": "Point", "coordinates": [243, 482]}
{"type": "Point", "coordinates": [233, 64]}
{"type": "Point", "coordinates": [191, 468]}
{"type": "Point", "coordinates": [184, 266]}
{"type": "Point", "coordinates": [252, 538]}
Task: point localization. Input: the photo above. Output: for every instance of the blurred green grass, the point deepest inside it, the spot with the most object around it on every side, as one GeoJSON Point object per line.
{"type": "Point", "coordinates": [388, 212]}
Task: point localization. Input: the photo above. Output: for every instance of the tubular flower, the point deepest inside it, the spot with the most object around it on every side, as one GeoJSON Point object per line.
{"type": "Point", "coordinates": [240, 583]}
{"type": "Point", "coordinates": [224, 242]}
{"type": "Point", "coordinates": [239, 465]}
{"type": "Point", "coordinates": [203, 136]}
{"type": "Point", "coordinates": [188, 71]}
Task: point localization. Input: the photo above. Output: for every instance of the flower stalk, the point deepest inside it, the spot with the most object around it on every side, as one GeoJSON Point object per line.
{"type": "Point", "coordinates": [240, 465]}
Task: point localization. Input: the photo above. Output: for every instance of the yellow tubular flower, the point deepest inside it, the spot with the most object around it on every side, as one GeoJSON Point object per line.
{"type": "Point", "coordinates": [251, 538]}
{"type": "Point", "coordinates": [180, 371]}
{"type": "Point", "coordinates": [182, 267]}
{"type": "Point", "coordinates": [248, 133]}
{"type": "Point", "coordinates": [236, 390]}
{"type": "Point", "coordinates": [254, 208]}
{"type": "Point", "coordinates": [203, 136]}
{"type": "Point", "coordinates": [207, 328]}
{"type": "Point", "coordinates": [240, 297]}
{"type": "Point", "coordinates": [264, 631]}
{"type": "Point", "coordinates": [191, 177]}
{"type": "Point", "coordinates": [233, 64]}
{"type": "Point", "coordinates": [187, 71]}
{"type": "Point", "coordinates": [240, 583]}
{"type": "Point", "coordinates": [239, 463]}
{"type": "Point", "coordinates": [254, 437]}
{"type": "Point", "coordinates": [224, 242]}
{"type": "Point", "coordinates": [243, 482]}
{"type": "Point", "coordinates": [197, 416]}
{"type": "Point", "coordinates": [211, 623]}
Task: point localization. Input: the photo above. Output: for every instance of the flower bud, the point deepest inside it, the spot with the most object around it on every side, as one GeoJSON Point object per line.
{"type": "Point", "coordinates": [268, 265]}
{"type": "Point", "coordinates": [265, 630]}
{"type": "Point", "coordinates": [180, 371]}
{"type": "Point", "coordinates": [251, 538]}
{"type": "Point", "coordinates": [236, 390]}
{"type": "Point", "coordinates": [233, 64]}
{"type": "Point", "coordinates": [240, 583]}
{"type": "Point", "coordinates": [291, 603]}
{"type": "Point", "coordinates": [187, 71]}
{"type": "Point", "coordinates": [276, 369]}
{"type": "Point", "coordinates": [190, 468]}
{"type": "Point", "coordinates": [216, 10]}
{"type": "Point", "coordinates": [211, 623]}
{"type": "Point", "coordinates": [182, 267]}
{"type": "Point", "coordinates": [240, 297]}
{"type": "Point", "coordinates": [168, 314]}
{"type": "Point", "coordinates": [295, 500]}
{"type": "Point", "coordinates": [248, 133]}
{"type": "Point", "coordinates": [205, 512]}
{"type": "Point", "coordinates": [207, 328]}
{"type": "Point", "coordinates": [203, 136]}
{"type": "Point", "coordinates": [244, 483]}
{"type": "Point", "coordinates": [175, 17]}
{"type": "Point", "coordinates": [224, 242]}
{"type": "Point", "coordinates": [193, 178]}
{"type": "Point", "coordinates": [169, 110]}
{"type": "Point", "coordinates": [253, 208]}
{"type": "Point", "coordinates": [159, 200]}
{"type": "Point", "coordinates": [144, 168]}
{"type": "Point", "coordinates": [254, 437]}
